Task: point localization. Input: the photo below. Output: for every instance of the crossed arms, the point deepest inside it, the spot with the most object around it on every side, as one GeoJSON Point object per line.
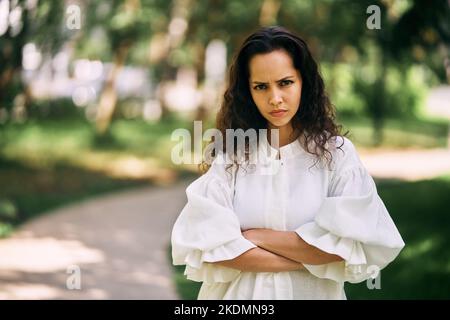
{"type": "Point", "coordinates": [277, 251]}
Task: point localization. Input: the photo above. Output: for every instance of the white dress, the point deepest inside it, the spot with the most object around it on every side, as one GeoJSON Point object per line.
{"type": "Point", "coordinates": [338, 211]}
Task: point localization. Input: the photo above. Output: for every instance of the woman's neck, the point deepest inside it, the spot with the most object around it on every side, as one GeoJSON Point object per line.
{"type": "Point", "coordinates": [286, 135]}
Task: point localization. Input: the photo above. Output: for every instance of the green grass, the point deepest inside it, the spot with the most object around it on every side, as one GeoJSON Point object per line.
{"type": "Point", "coordinates": [400, 133]}
{"type": "Point", "coordinates": [187, 289]}
{"type": "Point", "coordinates": [52, 140]}
{"type": "Point", "coordinates": [46, 164]}
{"type": "Point", "coordinates": [28, 192]}
{"type": "Point", "coordinates": [421, 211]}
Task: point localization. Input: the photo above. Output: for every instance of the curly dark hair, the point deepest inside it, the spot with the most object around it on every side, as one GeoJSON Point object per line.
{"type": "Point", "coordinates": [315, 118]}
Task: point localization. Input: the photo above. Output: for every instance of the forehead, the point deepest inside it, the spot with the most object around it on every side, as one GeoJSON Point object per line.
{"type": "Point", "coordinates": [271, 66]}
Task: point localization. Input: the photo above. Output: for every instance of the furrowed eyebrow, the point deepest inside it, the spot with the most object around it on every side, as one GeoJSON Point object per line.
{"type": "Point", "coordinates": [258, 82]}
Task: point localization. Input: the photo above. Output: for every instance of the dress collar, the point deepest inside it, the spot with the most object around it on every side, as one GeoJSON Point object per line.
{"type": "Point", "coordinates": [287, 151]}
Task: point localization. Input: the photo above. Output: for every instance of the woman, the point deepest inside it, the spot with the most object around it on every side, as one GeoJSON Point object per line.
{"type": "Point", "coordinates": [307, 227]}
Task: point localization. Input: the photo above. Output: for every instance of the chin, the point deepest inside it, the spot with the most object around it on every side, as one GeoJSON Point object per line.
{"type": "Point", "coordinates": [279, 123]}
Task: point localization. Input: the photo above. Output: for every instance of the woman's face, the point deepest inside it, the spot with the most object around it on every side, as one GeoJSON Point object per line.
{"type": "Point", "coordinates": [275, 86]}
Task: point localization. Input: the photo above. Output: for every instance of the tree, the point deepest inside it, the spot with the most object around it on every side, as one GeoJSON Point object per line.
{"type": "Point", "coordinates": [422, 34]}
{"type": "Point", "coordinates": [124, 24]}
{"type": "Point", "coordinates": [21, 22]}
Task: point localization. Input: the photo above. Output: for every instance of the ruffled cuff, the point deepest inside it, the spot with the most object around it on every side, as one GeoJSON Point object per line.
{"type": "Point", "coordinates": [198, 268]}
{"type": "Point", "coordinates": [352, 269]}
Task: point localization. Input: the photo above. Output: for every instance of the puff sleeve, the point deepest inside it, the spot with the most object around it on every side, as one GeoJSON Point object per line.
{"type": "Point", "coordinates": [207, 229]}
{"type": "Point", "coordinates": [353, 223]}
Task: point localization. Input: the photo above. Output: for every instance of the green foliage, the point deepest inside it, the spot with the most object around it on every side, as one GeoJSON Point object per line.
{"type": "Point", "coordinates": [34, 25]}
{"type": "Point", "coordinates": [5, 229]}
{"type": "Point", "coordinates": [111, 24]}
{"type": "Point", "coordinates": [12, 90]}
{"type": "Point", "coordinates": [420, 33]}
{"type": "Point", "coordinates": [57, 109]}
{"type": "Point", "coordinates": [339, 79]}
{"type": "Point", "coordinates": [335, 31]}
{"type": "Point", "coordinates": [8, 215]}
{"type": "Point", "coordinates": [359, 92]}
{"type": "Point", "coordinates": [399, 133]}
{"type": "Point", "coordinates": [401, 95]}
{"type": "Point", "coordinates": [7, 210]}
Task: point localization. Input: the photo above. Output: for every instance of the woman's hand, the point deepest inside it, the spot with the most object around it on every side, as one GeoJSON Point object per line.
{"type": "Point", "coordinates": [259, 259]}
{"type": "Point", "coordinates": [290, 245]}
{"type": "Point", "coordinates": [256, 236]}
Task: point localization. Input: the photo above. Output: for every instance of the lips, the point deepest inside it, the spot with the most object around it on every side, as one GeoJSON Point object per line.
{"type": "Point", "coordinates": [278, 113]}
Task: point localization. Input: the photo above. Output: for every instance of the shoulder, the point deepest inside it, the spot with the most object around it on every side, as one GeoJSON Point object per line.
{"type": "Point", "coordinates": [344, 153]}
{"type": "Point", "coordinates": [220, 170]}
{"type": "Point", "coordinates": [341, 144]}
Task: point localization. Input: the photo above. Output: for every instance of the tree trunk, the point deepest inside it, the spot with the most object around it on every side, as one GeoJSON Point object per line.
{"type": "Point", "coordinates": [108, 98]}
{"type": "Point", "coordinates": [180, 10]}
{"type": "Point", "coordinates": [202, 111]}
{"type": "Point", "coordinates": [378, 113]}
{"type": "Point", "coordinates": [269, 12]}
{"type": "Point", "coordinates": [5, 81]}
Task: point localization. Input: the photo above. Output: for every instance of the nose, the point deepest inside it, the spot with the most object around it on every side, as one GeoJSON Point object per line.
{"type": "Point", "coordinates": [275, 98]}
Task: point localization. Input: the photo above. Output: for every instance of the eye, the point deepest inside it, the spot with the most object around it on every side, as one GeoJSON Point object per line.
{"type": "Point", "coordinates": [259, 87]}
{"type": "Point", "coordinates": [286, 82]}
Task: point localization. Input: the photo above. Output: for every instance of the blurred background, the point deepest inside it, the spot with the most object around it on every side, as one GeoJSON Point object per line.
{"type": "Point", "coordinates": [91, 91]}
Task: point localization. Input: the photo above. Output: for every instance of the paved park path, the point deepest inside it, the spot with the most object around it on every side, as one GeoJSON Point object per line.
{"type": "Point", "coordinates": [118, 243]}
